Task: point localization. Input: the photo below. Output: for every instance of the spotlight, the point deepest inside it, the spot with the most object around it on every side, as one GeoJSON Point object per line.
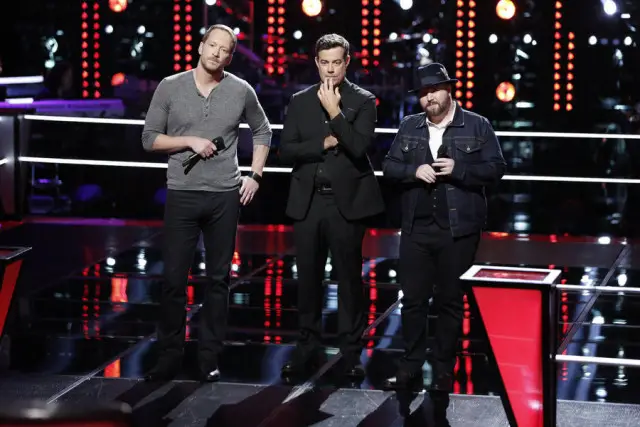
{"type": "Point", "coordinates": [312, 7]}
{"type": "Point", "coordinates": [506, 9]}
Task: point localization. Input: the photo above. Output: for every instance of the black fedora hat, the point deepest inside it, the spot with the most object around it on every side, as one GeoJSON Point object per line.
{"type": "Point", "coordinates": [431, 75]}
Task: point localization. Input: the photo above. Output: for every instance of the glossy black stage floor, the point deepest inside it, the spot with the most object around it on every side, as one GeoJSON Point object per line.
{"type": "Point", "coordinates": [88, 305]}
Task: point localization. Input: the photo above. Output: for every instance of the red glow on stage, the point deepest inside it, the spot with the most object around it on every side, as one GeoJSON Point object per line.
{"type": "Point", "coordinates": [10, 278]}
{"type": "Point", "coordinates": [512, 275]}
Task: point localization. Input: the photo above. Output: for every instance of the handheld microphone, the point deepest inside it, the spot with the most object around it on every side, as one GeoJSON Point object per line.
{"type": "Point", "coordinates": [217, 141]}
{"type": "Point", "coordinates": [442, 153]}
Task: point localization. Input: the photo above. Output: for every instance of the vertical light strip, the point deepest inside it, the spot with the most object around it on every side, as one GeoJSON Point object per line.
{"type": "Point", "coordinates": [365, 31]}
{"type": "Point", "coordinates": [280, 29]}
{"type": "Point", "coordinates": [557, 57]}
{"type": "Point", "coordinates": [188, 35]}
{"type": "Point", "coordinates": [278, 300]}
{"type": "Point", "coordinates": [376, 32]}
{"type": "Point", "coordinates": [96, 49]}
{"type": "Point", "coordinates": [460, 49]}
{"type": "Point", "coordinates": [268, 309]}
{"type": "Point", "coordinates": [177, 35]}
{"type": "Point", "coordinates": [90, 49]}
{"type": "Point", "coordinates": [271, 29]}
{"type": "Point", "coordinates": [373, 299]}
{"type": "Point", "coordinates": [471, 62]}
{"type": "Point", "coordinates": [85, 49]}
{"type": "Point", "coordinates": [570, 57]}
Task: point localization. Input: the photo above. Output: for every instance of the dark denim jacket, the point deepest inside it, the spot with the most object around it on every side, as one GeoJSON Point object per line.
{"type": "Point", "coordinates": [471, 142]}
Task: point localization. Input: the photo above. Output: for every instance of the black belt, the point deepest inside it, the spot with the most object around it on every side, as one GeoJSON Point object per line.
{"type": "Point", "coordinates": [324, 189]}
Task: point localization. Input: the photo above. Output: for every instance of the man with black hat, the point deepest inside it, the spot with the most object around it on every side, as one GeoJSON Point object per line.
{"type": "Point", "coordinates": [443, 158]}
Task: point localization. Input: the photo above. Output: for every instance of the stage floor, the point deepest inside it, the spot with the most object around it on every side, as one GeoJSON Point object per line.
{"type": "Point", "coordinates": [189, 403]}
{"type": "Point", "coordinates": [89, 293]}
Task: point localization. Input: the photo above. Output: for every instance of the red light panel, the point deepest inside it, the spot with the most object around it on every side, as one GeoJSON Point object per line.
{"type": "Point", "coordinates": [465, 51]}
{"type": "Point", "coordinates": [90, 49]}
{"type": "Point", "coordinates": [182, 35]}
{"type": "Point", "coordinates": [370, 33]}
{"type": "Point", "coordinates": [563, 70]}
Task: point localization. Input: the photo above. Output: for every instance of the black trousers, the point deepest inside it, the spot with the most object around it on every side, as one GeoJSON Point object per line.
{"type": "Point", "coordinates": [431, 256]}
{"type": "Point", "coordinates": [187, 214]}
{"type": "Point", "coordinates": [324, 229]}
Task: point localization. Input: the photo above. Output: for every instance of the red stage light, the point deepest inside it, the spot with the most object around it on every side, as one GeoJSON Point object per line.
{"type": "Point", "coordinates": [506, 91]}
{"type": "Point", "coordinates": [118, 5]}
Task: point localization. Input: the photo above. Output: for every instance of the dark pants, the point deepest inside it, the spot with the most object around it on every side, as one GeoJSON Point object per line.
{"type": "Point", "coordinates": [428, 257]}
{"type": "Point", "coordinates": [322, 230]}
{"type": "Point", "coordinates": [187, 213]}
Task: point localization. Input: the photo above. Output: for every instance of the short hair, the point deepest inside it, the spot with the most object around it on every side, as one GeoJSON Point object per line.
{"type": "Point", "coordinates": [225, 28]}
{"type": "Point", "coordinates": [329, 41]}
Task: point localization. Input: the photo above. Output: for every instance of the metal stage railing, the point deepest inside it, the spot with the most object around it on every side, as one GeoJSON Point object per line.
{"type": "Point", "coordinates": [275, 169]}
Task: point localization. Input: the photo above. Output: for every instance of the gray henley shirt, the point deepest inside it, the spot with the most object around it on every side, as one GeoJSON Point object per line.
{"type": "Point", "coordinates": [179, 109]}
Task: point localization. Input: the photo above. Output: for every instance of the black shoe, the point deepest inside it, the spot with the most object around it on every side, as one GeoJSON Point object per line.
{"type": "Point", "coordinates": [291, 368]}
{"type": "Point", "coordinates": [351, 366]}
{"type": "Point", "coordinates": [167, 367]}
{"type": "Point", "coordinates": [405, 380]}
{"type": "Point", "coordinates": [355, 371]}
{"type": "Point", "coordinates": [160, 374]}
{"type": "Point", "coordinates": [303, 362]}
{"type": "Point", "coordinates": [210, 376]}
{"type": "Point", "coordinates": [295, 368]}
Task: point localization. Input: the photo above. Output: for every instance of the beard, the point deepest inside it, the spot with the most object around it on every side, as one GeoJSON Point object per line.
{"type": "Point", "coordinates": [436, 109]}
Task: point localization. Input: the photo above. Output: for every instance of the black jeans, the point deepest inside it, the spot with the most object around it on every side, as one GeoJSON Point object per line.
{"type": "Point", "coordinates": [187, 213]}
{"type": "Point", "coordinates": [431, 256]}
{"type": "Point", "coordinates": [324, 229]}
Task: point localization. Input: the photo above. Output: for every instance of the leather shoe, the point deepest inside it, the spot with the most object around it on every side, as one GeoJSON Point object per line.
{"type": "Point", "coordinates": [302, 363]}
{"type": "Point", "coordinates": [160, 375]}
{"type": "Point", "coordinates": [404, 380]}
{"type": "Point", "coordinates": [211, 376]}
{"type": "Point", "coordinates": [292, 368]}
{"type": "Point", "coordinates": [355, 371]}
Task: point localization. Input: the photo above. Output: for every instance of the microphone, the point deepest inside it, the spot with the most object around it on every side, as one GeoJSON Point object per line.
{"type": "Point", "coordinates": [217, 141]}
{"type": "Point", "coordinates": [443, 153]}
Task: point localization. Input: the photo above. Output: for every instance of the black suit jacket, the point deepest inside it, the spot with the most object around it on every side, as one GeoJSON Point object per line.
{"type": "Point", "coordinates": [306, 125]}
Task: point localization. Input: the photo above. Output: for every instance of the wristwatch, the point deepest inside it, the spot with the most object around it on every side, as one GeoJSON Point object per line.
{"type": "Point", "coordinates": [256, 177]}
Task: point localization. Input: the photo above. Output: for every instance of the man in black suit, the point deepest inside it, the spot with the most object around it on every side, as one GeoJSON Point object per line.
{"type": "Point", "coordinates": [327, 132]}
{"type": "Point", "coordinates": [444, 158]}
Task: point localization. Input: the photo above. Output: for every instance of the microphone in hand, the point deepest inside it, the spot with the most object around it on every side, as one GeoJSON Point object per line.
{"type": "Point", "coordinates": [217, 141]}
{"type": "Point", "coordinates": [443, 153]}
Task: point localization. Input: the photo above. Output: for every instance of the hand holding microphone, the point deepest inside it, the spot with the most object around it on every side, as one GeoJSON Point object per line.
{"type": "Point", "coordinates": [443, 165]}
{"type": "Point", "coordinates": [203, 148]}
